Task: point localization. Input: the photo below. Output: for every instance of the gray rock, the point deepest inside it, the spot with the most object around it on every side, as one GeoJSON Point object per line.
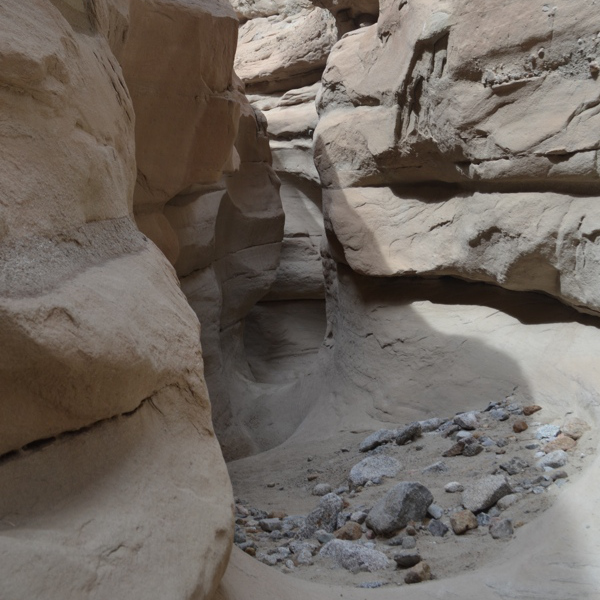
{"type": "Point", "coordinates": [397, 540]}
{"type": "Point", "coordinates": [358, 516]}
{"type": "Point", "coordinates": [467, 420]}
{"type": "Point", "coordinates": [547, 432]}
{"type": "Point", "coordinates": [483, 519]}
{"type": "Point", "coordinates": [472, 449]}
{"type": "Point", "coordinates": [554, 460]}
{"type": "Point", "coordinates": [298, 546]}
{"type": "Point", "coordinates": [408, 434]}
{"type": "Point", "coordinates": [406, 501]}
{"type": "Point", "coordinates": [409, 542]}
{"type": "Point", "coordinates": [514, 466]}
{"type": "Point", "coordinates": [499, 414]}
{"type": "Point", "coordinates": [373, 467]}
{"type": "Point", "coordinates": [371, 585]}
{"type": "Point", "coordinates": [532, 446]}
{"type": "Point", "coordinates": [463, 434]}
{"type": "Point", "coordinates": [501, 442]}
{"type": "Point", "coordinates": [239, 537]}
{"type": "Point", "coordinates": [435, 511]}
{"type": "Point", "coordinates": [343, 517]}
{"type": "Point", "coordinates": [453, 487]}
{"type": "Point", "coordinates": [447, 429]}
{"type": "Point", "coordinates": [437, 467]}
{"type": "Point", "coordinates": [407, 559]}
{"type": "Point", "coordinates": [275, 535]}
{"type": "Point", "coordinates": [304, 557]}
{"type": "Point", "coordinates": [268, 559]}
{"type": "Point", "coordinates": [323, 536]}
{"type": "Point", "coordinates": [378, 438]}
{"type": "Point", "coordinates": [485, 492]}
{"type": "Point", "coordinates": [431, 424]}
{"type": "Point", "coordinates": [437, 528]}
{"type": "Point", "coordinates": [324, 516]}
{"type": "Point", "coordinates": [507, 501]}
{"type": "Point", "coordinates": [269, 525]}
{"type": "Point", "coordinates": [354, 557]}
{"type": "Point", "coordinates": [487, 442]}
{"type": "Point", "coordinates": [293, 522]}
{"type": "Point", "coordinates": [321, 489]}
{"type": "Point", "coordinates": [501, 528]}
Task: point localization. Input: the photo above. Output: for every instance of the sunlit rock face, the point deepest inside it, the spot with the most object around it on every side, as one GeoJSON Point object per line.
{"type": "Point", "coordinates": [483, 144]}
{"type": "Point", "coordinates": [113, 482]}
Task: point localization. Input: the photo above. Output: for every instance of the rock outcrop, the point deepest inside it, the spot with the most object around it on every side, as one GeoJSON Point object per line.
{"type": "Point", "coordinates": [113, 481]}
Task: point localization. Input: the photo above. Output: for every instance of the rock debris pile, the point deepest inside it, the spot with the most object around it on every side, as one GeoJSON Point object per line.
{"type": "Point", "coordinates": [426, 499]}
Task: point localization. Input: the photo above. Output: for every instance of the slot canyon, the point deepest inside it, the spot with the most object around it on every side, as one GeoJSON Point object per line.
{"type": "Point", "coordinates": [299, 299]}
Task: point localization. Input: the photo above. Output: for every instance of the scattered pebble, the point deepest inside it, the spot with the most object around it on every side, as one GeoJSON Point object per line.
{"type": "Point", "coordinates": [373, 468]}
{"type": "Point", "coordinates": [418, 573]}
{"type": "Point", "coordinates": [437, 528]}
{"type": "Point", "coordinates": [520, 426]}
{"type": "Point", "coordinates": [574, 427]}
{"type": "Point", "coordinates": [501, 528]}
{"type": "Point", "coordinates": [547, 432]}
{"type": "Point", "coordinates": [354, 557]}
{"type": "Point", "coordinates": [463, 521]}
{"type": "Point", "coordinates": [407, 559]}
{"type": "Point", "coordinates": [531, 409]}
{"type": "Point", "coordinates": [554, 460]}
{"type": "Point", "coordinates": [321, 489]}
{"type": "Point", "coordinates": [453, 487]}
{"type": "Point", "coordinates": [485, 492]}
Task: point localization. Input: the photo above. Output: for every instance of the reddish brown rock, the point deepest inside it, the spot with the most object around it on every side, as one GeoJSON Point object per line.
{"type": "Point", "coordinates": [520, 426]}
{"type": "Point", "coordinates": [349, 531]}
{"type": "Point", "coordinates": [529, 410]}
{"type": "Point", "coordinates": [463, 521]}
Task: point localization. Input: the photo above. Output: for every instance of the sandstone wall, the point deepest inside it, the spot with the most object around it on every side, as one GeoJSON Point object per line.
{"type": "Point", "coordinates": [113, 481]}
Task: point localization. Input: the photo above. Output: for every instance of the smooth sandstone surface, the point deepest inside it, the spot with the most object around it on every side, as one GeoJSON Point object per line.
{"type": "Point", "coordinates": [113, 481]}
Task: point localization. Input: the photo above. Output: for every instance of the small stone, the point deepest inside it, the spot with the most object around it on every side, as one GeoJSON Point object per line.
{"type": "Point", "coordinates": [289, 564]}
{"type": "Point", "coordinates": [514, 408]}
{"type": "Point", "coordinates": [350, 531]}
{"type": "Point", "coordinates": [499, 414]}
{"type": "Point", "coordinates": [406, 501]}
{"type": "Point", "coordinates": [371, 585]}
{"type": "Point", "coordinates": [486, 441]}
{"type": "Point", "coordinates": [554, 460]}
{"type": "Point", "coordinates": [448, 429]}
{"type": "Point", "coordinates": [507, 501]}
{"type": "Point", "coordinates": [354, 557]}
{"type": "Point", "coordinates": [437, 528]}
{"type": "Point", "coordinates": [411, 530]}
{"type": "Point", "coordinates": [514, 466]}
{"type": "Point", "coordinates": [251, 550]}
{"type": "Point", "coordinates": [271, 485]}
{"type": "Point", "coordinates": [431, 424]}
{"type": "Point", "coordinates": [371, 468]}
{"type": "Point", "coordinates": [559, 475]}
{"type": "Point", "coordinates": [574, 427]}
{"type": "Point", "coordinates": [437, 467]}
{"type": "Point", "coordinates": [531, 409]}
{"type": "Point", "coordinates": [343, 489]}
{"type": "Point", "coordinates": [409, 542]}
{"type": "Point", "coordinates": [494, 511]}
{"type": "Point", "coordinates": [547, 432]}
{"type": "Point", "coordinates": [501, 528]}
{"type": "Point", "coordinates": [532, 446]}
{"type": "Point", "coordinates": [472, 449]}
{"type": "Point", "coordinates": [267, 559]}
{"type": "Point", "coordinates": [239, 536]}
{"type": "Point", "coordinates": [538, 489]}
{"type": "Point", "coordinates": [467, 420]}
{"type": "Point", "coordinates": [358, 516]}
{"type": "Point", "coordinates": [324, 516]}
{"type": "Point", "coordinates": [453, 487]}
{"type": "Point", "coordinates": [483, 519]}
{"type": "Point", "coordinates": [561, 442]}
{"type": "Point", "coordinates": [418, 573]}
{"type": "Point", "coordinates": [269, 525]}
{"type": "Point", "coordinates": [323, 536]}
{"type": "Point", "coordinates": [463, 434]}
{"type": "Point", "coordinates": [312, 477]}
{"type": "Point", "coordinates": [275, 535]}
{"type": "Point", "coordinates": [376, 439]}
{"type": "Point", "coordinates": [407, 559]}
{"type": "Point", "coordinates": [277, 514]}
{"type": "Point", "coordinates": [435, 511]}
{"type": "Point", "coordinates": [304, 557]}
{"type": "Point", "coordinates": [456, 449]}
{"type": "Point", "coordinates": [321, 489]}
{"type": "Point", "coordinates": [485, 492]}
{"type": "Point", "coordinates": [408, 434]}
{"type": "Point", "coordinates": [520, 426]}
{"type": "Point", "coordinates": [462, 521]}
{"type": "Point", "coordinates": [502, 442]}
